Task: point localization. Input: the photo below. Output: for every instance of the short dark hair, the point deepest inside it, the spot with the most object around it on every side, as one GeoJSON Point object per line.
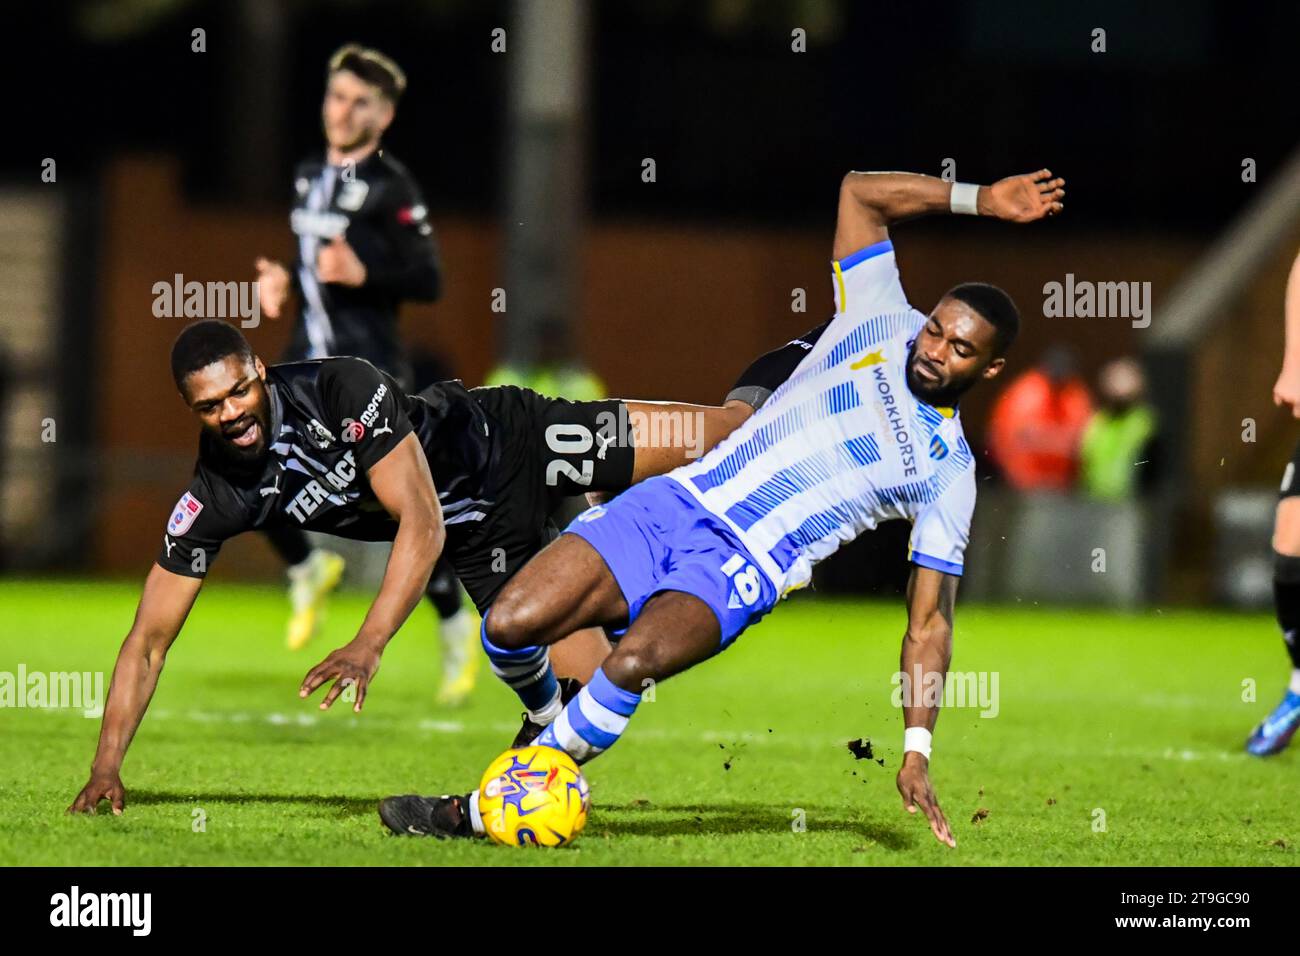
{"type": "Point", "coordinates": [995, 307]}
{"type": "Point", "coordinates": [373, 67]}
{"type": "Point", "coordinates": [204, 342]}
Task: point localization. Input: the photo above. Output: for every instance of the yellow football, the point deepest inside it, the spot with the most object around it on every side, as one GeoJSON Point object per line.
{"type": "Point", "coordinates": [533, 796]}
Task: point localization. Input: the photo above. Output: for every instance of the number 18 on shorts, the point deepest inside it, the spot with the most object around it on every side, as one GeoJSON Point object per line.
{"type": "Point", "coordinates": [657, 537]}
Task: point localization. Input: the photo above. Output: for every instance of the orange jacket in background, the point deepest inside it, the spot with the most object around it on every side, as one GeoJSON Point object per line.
{"type": "Point", "coordinates": [1035, 431]}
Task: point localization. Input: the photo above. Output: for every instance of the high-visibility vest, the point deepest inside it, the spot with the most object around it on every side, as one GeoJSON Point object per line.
{"type": "Point", "coordinates": [1112, 447]}
{"type": "Point", "coordinates": [574, 383]}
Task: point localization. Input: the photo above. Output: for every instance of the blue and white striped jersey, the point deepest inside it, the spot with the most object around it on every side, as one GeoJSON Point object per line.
{"type": "Point", "coordinates": [844, 444]}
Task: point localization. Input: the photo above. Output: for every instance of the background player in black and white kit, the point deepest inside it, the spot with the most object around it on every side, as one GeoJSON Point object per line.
{"type": "Point", "coordinates": [365, 245]}
{"type": "Point", "coordinates": [336, 445]}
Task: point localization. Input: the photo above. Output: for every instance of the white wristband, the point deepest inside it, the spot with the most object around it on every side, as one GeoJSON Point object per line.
{"type": "Point", "coordinates": [918, 739]}
{"type": "Point", "coordinates": [963, 200]}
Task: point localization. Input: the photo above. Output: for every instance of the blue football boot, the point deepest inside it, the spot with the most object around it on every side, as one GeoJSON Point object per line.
{"type": "Point", "coordinates": [1277, 729]}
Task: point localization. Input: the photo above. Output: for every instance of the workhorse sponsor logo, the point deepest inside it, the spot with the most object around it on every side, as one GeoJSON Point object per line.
{"type": "Point", "coordinates": [892, 416]}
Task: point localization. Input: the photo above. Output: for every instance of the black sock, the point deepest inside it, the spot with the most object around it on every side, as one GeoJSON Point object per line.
{"type": "Point", "coordinates": [1286, 600]}
{"type": "Point", "coordinates": [443, 589]}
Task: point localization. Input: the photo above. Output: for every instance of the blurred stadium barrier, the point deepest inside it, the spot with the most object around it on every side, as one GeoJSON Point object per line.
{"type": "Point", "coordinates": [1055, 549]}
{"type": "Point", "coordinates": [1243, 553]}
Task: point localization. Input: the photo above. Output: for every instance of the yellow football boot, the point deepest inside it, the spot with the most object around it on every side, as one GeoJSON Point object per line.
{"type": "Point", "coordinates": [460, 657]}
{"type": "Point", "coordinates": [310, 583]}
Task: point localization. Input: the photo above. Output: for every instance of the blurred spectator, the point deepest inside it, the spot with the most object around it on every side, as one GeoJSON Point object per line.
{"type": "Point", "coordinates": [1117, 454]}
{"type": "Point", "coordinates": [1037, 424]}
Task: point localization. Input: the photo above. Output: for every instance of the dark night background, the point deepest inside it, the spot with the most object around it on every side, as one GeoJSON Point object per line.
{"type": "Point", "coordinates": [741, 128]}
{"type": "Point", "coordinates": [746, 134]}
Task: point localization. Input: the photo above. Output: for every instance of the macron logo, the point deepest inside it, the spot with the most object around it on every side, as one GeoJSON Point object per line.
{"type": "Point", "coordinates": [103, 909]}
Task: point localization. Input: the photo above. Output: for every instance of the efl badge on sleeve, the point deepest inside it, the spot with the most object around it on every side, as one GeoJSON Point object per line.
{"type": "Point", "coordinates": [183, 515]}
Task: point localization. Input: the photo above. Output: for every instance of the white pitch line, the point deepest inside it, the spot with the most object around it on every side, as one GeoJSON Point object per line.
{"type": "Point", "coordinates": [277, 719]}
{"type": "Point", "coordinates": [710, 736]}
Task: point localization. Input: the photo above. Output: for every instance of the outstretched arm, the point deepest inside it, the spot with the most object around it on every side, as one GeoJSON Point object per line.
{"type": "Point", "coordinates": [164, 605]}
{"type": "Point", "coordinates": [871, 202]}
{"type": "Point", "coordinates": [403, 485]}
{"type": "Point", "coordinates": [927, 650]}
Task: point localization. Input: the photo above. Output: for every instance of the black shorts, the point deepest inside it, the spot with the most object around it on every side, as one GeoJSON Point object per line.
{"type": "Point", "coordinates": [1290, 486]}
{"type": "Point", "coordinates": [548, 449]}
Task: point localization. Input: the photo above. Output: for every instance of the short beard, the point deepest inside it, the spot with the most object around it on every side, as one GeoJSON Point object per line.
{"type": "Point", "coordinates": [938, 395]}
{"type": "Point", "coordinates": [238, 456]}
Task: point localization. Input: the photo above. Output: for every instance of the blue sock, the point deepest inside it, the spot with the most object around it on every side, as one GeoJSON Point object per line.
{"type": "Point", "coordinates": [593, 720]}
{"type": "Point", "coordinates": [529, 674]}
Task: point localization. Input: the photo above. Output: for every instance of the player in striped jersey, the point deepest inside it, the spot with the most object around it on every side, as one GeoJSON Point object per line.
{"type": "Point", "coordinates": [866, 430]}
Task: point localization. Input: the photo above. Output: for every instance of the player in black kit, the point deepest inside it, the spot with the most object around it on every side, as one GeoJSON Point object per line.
{"type": "Point", "coordinates": [365, 245]}
{"type": "Point", "coordinates": [335, 445]}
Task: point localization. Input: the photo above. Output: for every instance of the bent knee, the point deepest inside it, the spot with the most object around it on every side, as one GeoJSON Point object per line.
{"type": "Point", "coordinates": [514, 621]}
{"type": "Point", "coordinates": [629, 668]}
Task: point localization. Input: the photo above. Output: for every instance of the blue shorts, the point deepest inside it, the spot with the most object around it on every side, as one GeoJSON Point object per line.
{"type": "Point", "coordinates": [657, 537]}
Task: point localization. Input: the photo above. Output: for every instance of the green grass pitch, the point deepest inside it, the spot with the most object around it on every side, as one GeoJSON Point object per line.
{"type": "Point", "coordinates": [1139, 717]}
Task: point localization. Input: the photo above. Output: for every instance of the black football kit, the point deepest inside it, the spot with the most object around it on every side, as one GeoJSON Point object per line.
{"type": "Point", "coordinates": [376, 206]}
{"type": "Point", "coordinates": [496, 475]}
{"type": "Point", "coordinates": [501, 458]}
